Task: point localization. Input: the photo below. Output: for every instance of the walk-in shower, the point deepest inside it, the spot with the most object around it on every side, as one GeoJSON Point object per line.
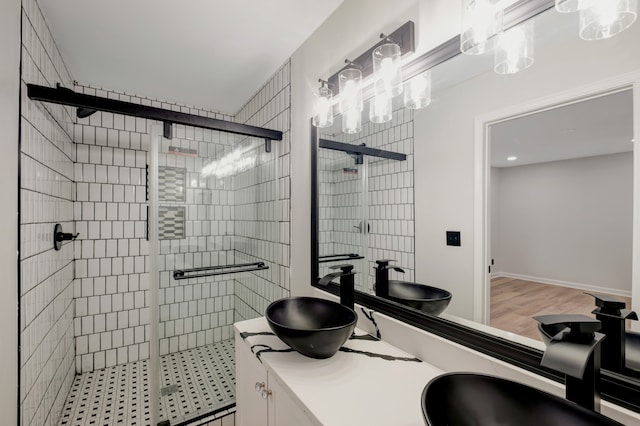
{"type": "Point", "coordinates": [176, 219]}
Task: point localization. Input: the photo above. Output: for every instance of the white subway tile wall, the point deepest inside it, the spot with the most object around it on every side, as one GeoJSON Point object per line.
{"type": "Point", "coordinates": [111, 289]}
{"type": "Point", "coordinates": [262, 209]}
{"type": "Point", "coordinates": [390, 203]}
{"type": "Point", "coordinates": [46, 198]}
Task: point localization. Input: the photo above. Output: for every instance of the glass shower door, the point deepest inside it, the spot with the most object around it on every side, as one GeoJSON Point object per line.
{"type": "Point", "coordinates": [215, 254]}
{"type": "Point", "coordinates": [343, 225]}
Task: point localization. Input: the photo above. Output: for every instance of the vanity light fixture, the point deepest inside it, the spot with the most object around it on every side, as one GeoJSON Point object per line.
{"type": "Point", "coordinates": [380, 108]}
{"type": "Point", "coordinates": [568, 6]}
{"type": "Point", "coordinates": [481, 21]}
{"type": "Point", "coordinates": [606, 18]}
{"type": "Point", "coordinates": [417, 91]}
{"type": "Point", "coordinates": [350, 84]}
{"type": "Point", "coordinates": [351, 121]}
{"type": "Point", "coordinates": [387, 68]}
{"type": "Point", "coordinates": [376, 74]}
{"type": "Point", "coordinates": [514, 49]}
{"type": "Point", "coordinates": [323, 106]}
{"type": "Point", "coordinates": [351, 102]}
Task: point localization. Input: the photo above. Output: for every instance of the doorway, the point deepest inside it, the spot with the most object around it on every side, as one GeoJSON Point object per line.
{"type": "Point", "coordinates": [558, 208]}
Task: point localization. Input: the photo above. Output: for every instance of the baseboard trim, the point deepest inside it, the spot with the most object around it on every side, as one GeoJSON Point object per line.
{"type": "Point", "coordinates": [578, 286]}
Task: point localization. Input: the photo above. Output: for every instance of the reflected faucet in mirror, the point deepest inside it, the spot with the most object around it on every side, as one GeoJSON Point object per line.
{"type": "Point", "coordinates": [382, 277]}
{"type": "Point", "coordinates": [612, 314]}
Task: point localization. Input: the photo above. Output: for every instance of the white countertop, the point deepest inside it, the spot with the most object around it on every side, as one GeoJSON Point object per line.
{"type": "Point", "coordinates": [348, 388]}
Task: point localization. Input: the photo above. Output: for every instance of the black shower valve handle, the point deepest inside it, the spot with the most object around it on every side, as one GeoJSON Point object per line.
{"type": "Point", "coordinates": [59, 236]}
{"type": "Point", "coordinates": [66, 236]}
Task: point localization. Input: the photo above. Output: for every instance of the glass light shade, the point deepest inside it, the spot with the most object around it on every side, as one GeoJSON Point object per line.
{"type": "Point", "coordinates": [417, 91]}
{"type": "Point", "coordinates": [606, 18]}
{"type": "Point", "coordinates": [322, 107]}
{"type": "Point", "coordinates": [351, 121]}
{"type": "Point", "coordinates": [350, 85]}
{"type": "Point", "coordinates": [387, 68]}
{"type": "Point", "coordinates": [380, 109]}
{"type": "Point", "coordinates": [568, 6]}
{"type": "Point", "coordinates": [481, 20]}
{"type": "Point", "coordinates": [514, 49]}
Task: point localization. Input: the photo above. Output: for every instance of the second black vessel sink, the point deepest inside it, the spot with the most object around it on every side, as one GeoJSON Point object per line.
{"type": "Point", "coordinates": [430, 300]}
{"type": "Point", "coordinates": [312, 326]}
{"type": "Point", "coordinates": [468, 399]}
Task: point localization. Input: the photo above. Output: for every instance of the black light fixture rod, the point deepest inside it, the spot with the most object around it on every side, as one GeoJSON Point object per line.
{"type": "Point", "coordinates": [68, 97]}
{"type": "Point", "coordinates": [359, 149]}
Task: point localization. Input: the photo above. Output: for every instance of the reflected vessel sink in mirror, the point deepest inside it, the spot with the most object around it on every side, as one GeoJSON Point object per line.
{"type": "Point", "coordinates": [314, 327]}
{"type": "Point", "coordinates": [468, 399]}
{"type": "Point", "coordinates": [430, 300]}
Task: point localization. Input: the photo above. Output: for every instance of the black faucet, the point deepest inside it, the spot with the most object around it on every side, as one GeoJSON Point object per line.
{"type": "Point", "coordinates": [347, 283]}
{"type": "Point", "coordinates": [573, 348]}
{"type": "Point", "coordinates": [612, 314]}
{"type": "Point", "coordinates": [382, 276]}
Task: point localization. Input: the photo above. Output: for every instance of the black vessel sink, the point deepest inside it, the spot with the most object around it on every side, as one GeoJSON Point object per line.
{"type": "Point", "coordinates": [467, 399]}
{"type": "Point", "coordinates": [430, 300]}
{"type": "Point", "coordinates": [314, 327]}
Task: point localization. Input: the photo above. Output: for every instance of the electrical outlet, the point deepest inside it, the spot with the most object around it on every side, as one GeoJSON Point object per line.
{"type": "Point", "coordinates": [453, 238]}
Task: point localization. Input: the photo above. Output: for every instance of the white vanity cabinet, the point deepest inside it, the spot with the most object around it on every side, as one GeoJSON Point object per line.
{"type": "Point", "coordinates": [370, 383]}
{"type": "Point", "coordinates": [260, 399]}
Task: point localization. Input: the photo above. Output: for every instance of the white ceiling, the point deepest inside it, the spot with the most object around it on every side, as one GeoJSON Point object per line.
{"type": "Point", "coordinates": [598, 126]}
{"type": "Point", "coordinates": [207, 53]}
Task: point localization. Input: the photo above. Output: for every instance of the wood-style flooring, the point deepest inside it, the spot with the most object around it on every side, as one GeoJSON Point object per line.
{"type": "Point", "coordinates": [514, 302]}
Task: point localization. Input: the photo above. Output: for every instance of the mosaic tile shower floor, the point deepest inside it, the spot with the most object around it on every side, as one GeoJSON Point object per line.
{"type": "Point", "coordinates": [205, 378]}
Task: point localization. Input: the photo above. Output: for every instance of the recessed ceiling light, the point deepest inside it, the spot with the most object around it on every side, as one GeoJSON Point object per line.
{"type": "Point", "coordinates": [512, 158]}
{"type": "Point", "coordinates": [633, 140]}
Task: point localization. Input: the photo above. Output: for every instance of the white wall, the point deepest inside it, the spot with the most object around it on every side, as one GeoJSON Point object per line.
{"type": "Point", "coordinates": [444, 148]}
{"type": "Point", "coordinates": [9, 89]}
{"type": "Point", "coordinates": [567, 220]}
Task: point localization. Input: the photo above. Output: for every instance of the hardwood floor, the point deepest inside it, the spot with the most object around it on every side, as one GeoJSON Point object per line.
{"type": "Point", "coordinates": [514, 302]}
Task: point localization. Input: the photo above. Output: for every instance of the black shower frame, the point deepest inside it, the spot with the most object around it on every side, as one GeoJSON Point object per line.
{"type": "Point", "coordinates": [64, 96]}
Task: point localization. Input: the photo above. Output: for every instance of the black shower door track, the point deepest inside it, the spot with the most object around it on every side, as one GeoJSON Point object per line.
{"type": "Point", "coordinates": [63, 96]}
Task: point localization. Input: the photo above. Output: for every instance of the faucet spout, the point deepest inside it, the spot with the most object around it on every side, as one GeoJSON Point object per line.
{"type": "Point", "coordinates": [573, 348]}
{"type": "Point", "coordinates": [347, 283]}
{"type": "Point", "coordinates": [324, 281]}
